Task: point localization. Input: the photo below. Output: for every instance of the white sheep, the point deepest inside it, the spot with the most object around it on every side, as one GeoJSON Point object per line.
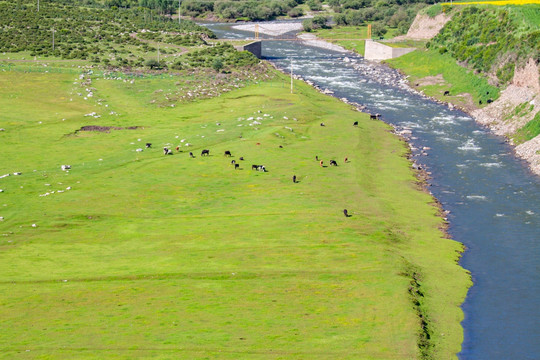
{"type": "Point", "coordinates": [65, 167]}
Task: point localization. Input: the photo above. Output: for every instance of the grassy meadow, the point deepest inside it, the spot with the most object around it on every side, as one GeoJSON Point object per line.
{"type": "Point", "coordinates": [140, 255]}
{"type": "Point", "coordinates": [466, 88]}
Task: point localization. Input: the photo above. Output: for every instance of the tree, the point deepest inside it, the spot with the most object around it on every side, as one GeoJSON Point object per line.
{"type": "Point", "coordinates": [319, 21]}
{"type": "Point", "coordinates": [378, 29]}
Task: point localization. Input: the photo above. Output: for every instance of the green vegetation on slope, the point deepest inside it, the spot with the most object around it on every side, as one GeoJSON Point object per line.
{"type": "Point", "coordinates": [106, 36]}
{"type": "Point", "coordinates": [458, 80]}
{"type": "Point", "coordinates": [529, 131]}
{"type": "Point", "coordinates": [141, 255]}
{"type": "Point", "coordinates": [492, 39]}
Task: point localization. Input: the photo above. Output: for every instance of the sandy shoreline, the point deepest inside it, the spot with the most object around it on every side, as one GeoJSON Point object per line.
{"type": "Point", "coordinates": [273, 29]}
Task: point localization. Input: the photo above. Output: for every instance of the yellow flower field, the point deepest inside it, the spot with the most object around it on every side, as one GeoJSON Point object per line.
{"type": "Point", "coordinates": [500, 2]}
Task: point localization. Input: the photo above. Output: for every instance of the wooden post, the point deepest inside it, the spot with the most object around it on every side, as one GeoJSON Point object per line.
{"type": "Point", "coordinates": [291, 77]}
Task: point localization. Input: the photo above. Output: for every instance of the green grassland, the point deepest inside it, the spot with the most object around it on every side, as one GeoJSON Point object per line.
{"type": "Point", "coordinates": [457, 79]}
{"type": "Point", "coordinates": [141, 255]}
{"type": "Point", "coordinates": [345, 36]}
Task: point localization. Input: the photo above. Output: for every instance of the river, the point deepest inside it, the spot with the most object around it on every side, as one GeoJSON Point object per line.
{"type": "Point", "coordinates": [492, 198]}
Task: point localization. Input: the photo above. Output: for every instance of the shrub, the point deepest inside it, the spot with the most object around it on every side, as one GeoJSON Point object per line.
{"type": "Point", "coordinates": [217, 64]}
{"type": "Point", "coordinates": [307, 25]}
{"type": "Point", "coordinates": [152, 64]}
{"type": "Point", "coordinates": [295, 12]}
{"type": "Point", "coordinates": [319, 21]}
{"type": "Point", "coordinates": [314, 5]}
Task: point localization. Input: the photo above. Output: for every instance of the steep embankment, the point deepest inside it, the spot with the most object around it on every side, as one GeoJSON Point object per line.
{"type": "Point", "coordinates": [425, 27]}
{"type": "Point", "coordinates": [501, 45]}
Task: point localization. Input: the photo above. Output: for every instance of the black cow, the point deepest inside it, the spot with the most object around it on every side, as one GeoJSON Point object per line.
{"type": "Point", "coordinates": [480, 102]}
{"type": "Point", "coordinates": [167, 151]}
{"type": "Point", "coordinates": [346, 213]}
{"type": "Point", "coordinates": [205, 152]}
{"type": "Point", "coordinates": [372, 117]}
{"type": "Point", "coordinates": [228, 153]}
{"type": "Point", "coordinates": [236, 166]}
{"type": "Point", "coordinates": [333, 163]}
{"type": "Point", "coordinates": [490, 101]}
{"type": "Point", "coordinates": [355, 123]}
{"type": "Point", "coordinates": [191, 154]}
{"type": "Point", "coordinates": [294, 179]}
{"type": "Point", "coordinates": [255, 167]}
{"type": "Point", "coordinates": [233, 162]}
{"type": "Point", "coordinates": [322, 124]}
{"type": "Point", "coordinates": [242, 158]}
{"type": "Point", "coordinates": [446, 93]}
{"type": "Point", "coordinates": [148, 145]}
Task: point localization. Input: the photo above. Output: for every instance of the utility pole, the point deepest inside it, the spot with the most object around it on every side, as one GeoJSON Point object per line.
{"type": "Point", "coordinates": [291, 77]}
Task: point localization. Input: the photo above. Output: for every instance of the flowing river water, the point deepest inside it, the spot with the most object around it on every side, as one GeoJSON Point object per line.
{"type": "Point", "coordinates": [492, 198]}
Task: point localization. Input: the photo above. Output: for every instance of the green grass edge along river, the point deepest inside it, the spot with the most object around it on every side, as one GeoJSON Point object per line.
{"type": "Point", "coordinates": [134, 254]}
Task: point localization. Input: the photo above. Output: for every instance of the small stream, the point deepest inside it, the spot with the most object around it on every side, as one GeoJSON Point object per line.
{"type": "Point", "coordinates": [492, 197]}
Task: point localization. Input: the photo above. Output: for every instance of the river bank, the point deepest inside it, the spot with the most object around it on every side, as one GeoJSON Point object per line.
{"type": "Point", "coordinates": [504, 116]}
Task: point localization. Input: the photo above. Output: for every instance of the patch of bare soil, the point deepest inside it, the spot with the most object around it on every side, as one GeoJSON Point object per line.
{"type": "Point", "coordinates": [425, 28]}
{"type": "Point", "coordinates": [431, 80]}
{"type": "Point", "coordinates": [466, 103]}
{"type": "Point", "coordinates": [528, 76]}
{"type": "Point", "coordinates": [105, 129]}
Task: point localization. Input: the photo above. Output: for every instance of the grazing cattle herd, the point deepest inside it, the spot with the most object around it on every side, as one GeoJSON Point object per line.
{"type": "Point", "coordinates": [257, 167]}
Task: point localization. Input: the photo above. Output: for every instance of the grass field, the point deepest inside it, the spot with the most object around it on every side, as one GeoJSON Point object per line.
{"type": "Point", "coordinates": [345, 36]}
{"type": "Point", "coordinates": [141, 255]}
{"type": "Point", "coordinates": [458, 80]}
